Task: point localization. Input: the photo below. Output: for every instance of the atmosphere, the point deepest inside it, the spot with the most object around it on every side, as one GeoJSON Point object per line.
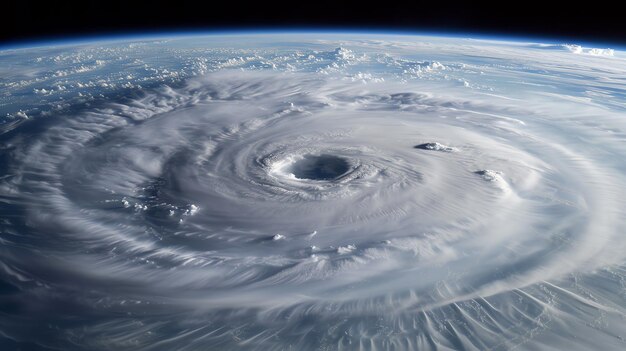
{"type": "Point", "coordinates": [595, 21]}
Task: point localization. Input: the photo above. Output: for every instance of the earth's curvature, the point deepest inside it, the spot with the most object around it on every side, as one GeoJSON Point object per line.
{"type": "Point", "coordinates": [303, 191]}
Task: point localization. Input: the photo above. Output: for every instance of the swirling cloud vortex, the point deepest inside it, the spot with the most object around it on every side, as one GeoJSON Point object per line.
{"type": "Point", "coordinates": [387, 193]}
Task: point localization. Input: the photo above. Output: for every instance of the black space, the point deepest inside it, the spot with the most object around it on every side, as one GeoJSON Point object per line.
{"type": "Point", "coordinates": [575, 21]}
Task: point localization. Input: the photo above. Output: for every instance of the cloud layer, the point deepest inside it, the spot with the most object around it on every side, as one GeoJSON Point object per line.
{"type": "Point", "coordinates": [340, 193]}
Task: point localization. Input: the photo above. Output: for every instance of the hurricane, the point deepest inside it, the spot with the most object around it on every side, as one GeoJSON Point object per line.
{"type": "Point", "coordinates": [313, 192]}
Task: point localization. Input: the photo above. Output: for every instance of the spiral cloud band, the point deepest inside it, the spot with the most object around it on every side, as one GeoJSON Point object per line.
{"type": "Point", "coordinates": [304, 192]}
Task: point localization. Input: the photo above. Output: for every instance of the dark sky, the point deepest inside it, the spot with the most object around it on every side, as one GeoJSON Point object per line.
{"type": "Point", "coordinates": [593, 21]}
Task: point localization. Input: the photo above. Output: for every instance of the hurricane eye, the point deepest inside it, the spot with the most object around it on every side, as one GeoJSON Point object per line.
{"type": "Point", "coordinates": [322, 167]}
